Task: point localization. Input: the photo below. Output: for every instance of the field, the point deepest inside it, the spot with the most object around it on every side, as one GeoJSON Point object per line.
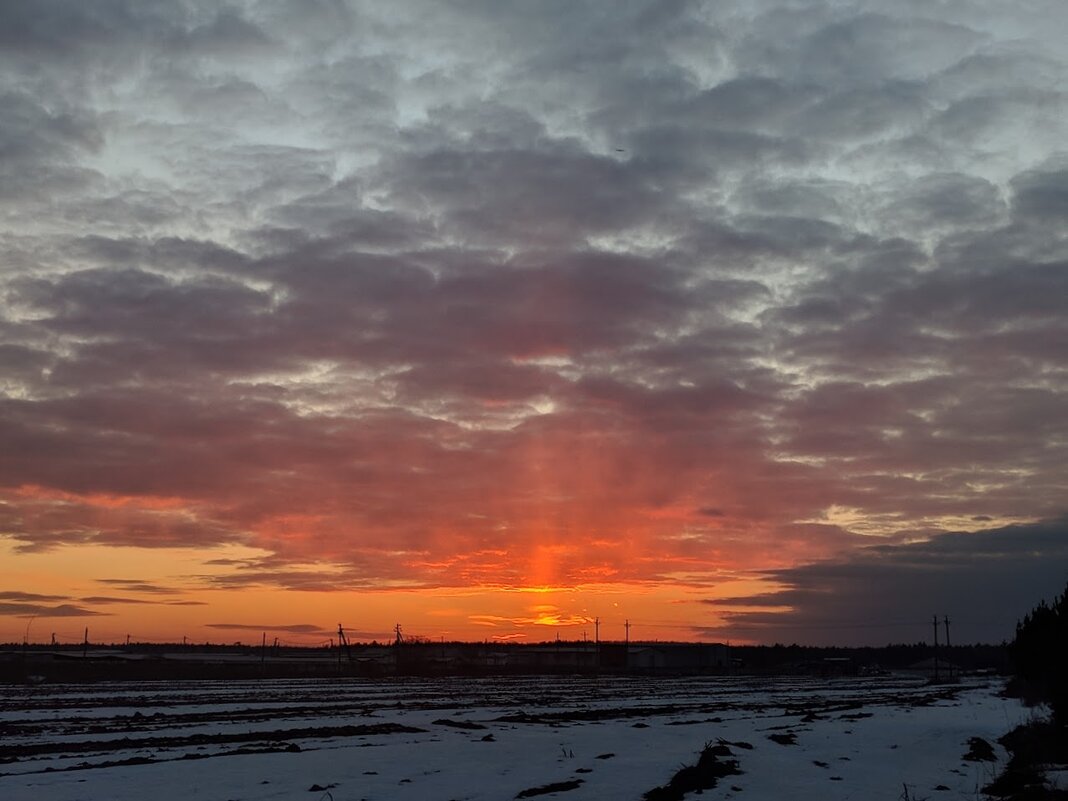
{"type": "Point", "coordinates": [501, 738]}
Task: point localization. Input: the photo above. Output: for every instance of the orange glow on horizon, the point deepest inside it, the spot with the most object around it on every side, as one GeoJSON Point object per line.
{"type": "Point", "coordinates": [575, 534]}
{"type": "Point", "coordinates": [164, 596]}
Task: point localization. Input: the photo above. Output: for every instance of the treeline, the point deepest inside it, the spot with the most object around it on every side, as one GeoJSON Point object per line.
{"type": "Point", "coordinates": [1040, 656]}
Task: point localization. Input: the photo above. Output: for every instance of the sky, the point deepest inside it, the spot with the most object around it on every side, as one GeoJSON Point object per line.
{"type": "Point", "coordinates": [738, 320]}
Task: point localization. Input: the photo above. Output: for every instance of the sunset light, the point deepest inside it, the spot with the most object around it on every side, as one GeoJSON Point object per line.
{"type": "Point", "coordinates": [738, 321]}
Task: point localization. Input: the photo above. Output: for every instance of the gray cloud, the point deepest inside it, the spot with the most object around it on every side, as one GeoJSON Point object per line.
{"type": "Point", "coordinates": [983, 581]}
{"type": "Point", "coordinates": [136, 585]}
{"type": "Point", "coordinates": [397, 288]}
{"type": "Point", "coordinates": [42, 610]}
{"type": "Point", "coordinates": [296, 628]}
{"type": "Point", "coordinates": [108, 599]}
{"type": "Point", "coordinates": [29, 597]}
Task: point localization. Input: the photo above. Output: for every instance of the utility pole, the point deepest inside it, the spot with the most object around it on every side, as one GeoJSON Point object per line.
{"type": "Point", "coordinates": [597, 644]}
{"type": "Point", "coordinates": [85, 643]}
{"type": "Point", "coordinates": [935, 620]}
{"type": "Point", "coordinates": [397, 632]}
{"type": "Point", "coordinates": [626, 646]}
{"type": "Point", "coordinates": [127, 640]}
{"type": "Point", "coordinates": [949, 664]}
{"type": "Point", "coordinates": [263, 651]}
{"type": "Point", "coordinates": [340, 640]}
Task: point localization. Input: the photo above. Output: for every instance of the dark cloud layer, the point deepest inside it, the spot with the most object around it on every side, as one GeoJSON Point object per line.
{"type": "Point", "coordinates": [296, 628]}
{"type": "Point", "coordinates": [43, 610]}
{"type": "Point", "coordinates": [982, 581]}
{"type": "Point", "coordinates": [424, 293]}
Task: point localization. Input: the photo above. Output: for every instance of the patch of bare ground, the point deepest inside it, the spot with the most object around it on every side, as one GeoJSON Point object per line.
{"type": "Point", "coordinates": [1034, 747]}
{"type": "Point", "coordinates": [736, 744]}
{"type": "Point", "coordinates": [17, 752]}
{"type": "Point", "coordinates": [141, 760]}
{"type": "Point", "coordinates": [979, 750]}
{"type": "Point", "coordinates": [459, 724]}
{"type": "Point", "coordinates": [588, 715]}
{"type": "Point", "coordinates": [783, 738]}
{"type": "Point", "coordinates": [699, 777]}
{"type": "Point", "coordinates": [546, 789]}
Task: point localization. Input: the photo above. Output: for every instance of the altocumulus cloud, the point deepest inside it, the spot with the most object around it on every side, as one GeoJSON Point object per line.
{"type": "Point", "coordinates": [415, 290]}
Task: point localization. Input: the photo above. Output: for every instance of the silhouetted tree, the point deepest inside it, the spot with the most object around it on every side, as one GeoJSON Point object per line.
{"type": "Point", "coordinates": [1040, 654]}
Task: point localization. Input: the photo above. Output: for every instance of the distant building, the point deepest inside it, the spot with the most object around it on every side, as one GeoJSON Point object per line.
{"type": "Point", "coordinates": [678, 658]}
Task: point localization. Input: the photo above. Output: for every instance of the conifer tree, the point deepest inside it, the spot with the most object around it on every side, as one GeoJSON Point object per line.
{"type": "Point", "coordinates": [1040, 654]}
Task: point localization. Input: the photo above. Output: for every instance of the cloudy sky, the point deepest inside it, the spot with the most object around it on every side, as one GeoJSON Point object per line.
{"type": "Point", "coordinates": [738, 319]}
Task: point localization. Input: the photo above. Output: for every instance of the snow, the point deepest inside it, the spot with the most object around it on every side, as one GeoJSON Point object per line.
{"type": "Point", "coordinates": [872, 736]}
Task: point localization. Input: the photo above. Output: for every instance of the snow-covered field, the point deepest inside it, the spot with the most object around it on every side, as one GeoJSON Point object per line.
{"type": "Point", "coordinates": [441, 739]}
